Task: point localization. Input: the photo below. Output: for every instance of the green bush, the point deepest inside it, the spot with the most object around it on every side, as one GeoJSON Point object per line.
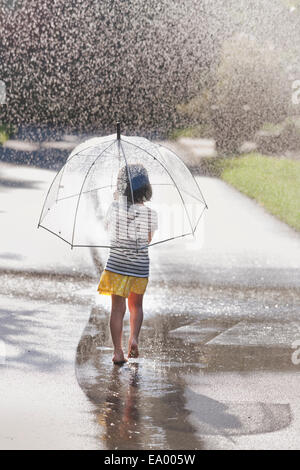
{"type": "Point", "coordinates": [6, 131]}
{"type": "Point", "coordinates": [192, 132]}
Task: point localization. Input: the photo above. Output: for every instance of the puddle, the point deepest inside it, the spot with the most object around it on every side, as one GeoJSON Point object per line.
{"type": "Point", "coordinates": [148, 403]}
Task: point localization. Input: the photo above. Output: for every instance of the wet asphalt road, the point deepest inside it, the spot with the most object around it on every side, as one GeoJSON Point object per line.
{"type": "Point", "coordinates": [216, 368]}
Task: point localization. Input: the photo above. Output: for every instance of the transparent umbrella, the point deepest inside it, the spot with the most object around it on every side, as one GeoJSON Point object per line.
{"type": "Point", "coordinates": [106, 171]}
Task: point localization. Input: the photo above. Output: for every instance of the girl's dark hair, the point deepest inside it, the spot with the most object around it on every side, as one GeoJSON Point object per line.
{"type": "Point", "coordinates": [140, 184]}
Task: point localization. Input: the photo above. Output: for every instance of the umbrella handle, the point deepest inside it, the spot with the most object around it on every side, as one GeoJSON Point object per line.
{"type": "Point", "coordinates": [118, 130]}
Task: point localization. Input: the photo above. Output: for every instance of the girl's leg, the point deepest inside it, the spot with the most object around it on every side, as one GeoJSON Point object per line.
{"type": "Point", "coordinates": [135, 304]}
{"type": "Point", "coordinates": [118, 309]}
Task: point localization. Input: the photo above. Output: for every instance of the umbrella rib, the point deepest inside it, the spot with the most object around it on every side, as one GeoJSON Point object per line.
{"type": "Point", "coordinates": [48, 192]}
{"type": "Point", "coordinates": [200, 217]}
{"type": "Point", "coordinates": [182, 200]}
{"type": "Point", "coordinates": [79, 197]}
{"type": "Point", "coordinates": [131, 190]}
{"type": "Point", "coordinates": [159, 145]}
{"type": "Point", "coordinates": [172, 238]}
{"type": "Point", "coordinates": [86, 192]}
{"type": "Point", "coordinates": [121, 247]}
{"type": "Point", "coordinates": [112, 246]}
{"type": "Point", "coordinates": [109, 186]}
{"type": "Point", "coordinates": [56, 176]}
{"type": "Point", "coordinates": [194, 197]}
{"type": "Point", "coordinates": [48, 230]}
{"type": "Point", "coordinates": [71, 158]}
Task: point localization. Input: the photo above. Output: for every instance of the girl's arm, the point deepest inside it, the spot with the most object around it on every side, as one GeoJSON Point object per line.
{"type": "Point", "coordinates": [153, 225]}
{"type": "Point", "coordinates": [150, 236]}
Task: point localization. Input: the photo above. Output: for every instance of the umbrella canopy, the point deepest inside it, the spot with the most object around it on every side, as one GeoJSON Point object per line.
{"type": "Point", "coordinates": [101, 171]}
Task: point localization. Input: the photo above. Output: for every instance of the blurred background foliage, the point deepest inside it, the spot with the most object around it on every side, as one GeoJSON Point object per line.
{"type": "Point", "coordinates": [244, 94]}
{"type": "Point", "coordinates": [217, 69]}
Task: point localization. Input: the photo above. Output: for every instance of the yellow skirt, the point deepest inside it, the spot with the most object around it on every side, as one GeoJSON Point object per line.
{"type": "Point", "coordinates": [119, 284]}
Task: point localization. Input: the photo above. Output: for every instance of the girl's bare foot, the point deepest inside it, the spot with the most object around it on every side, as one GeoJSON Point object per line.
{"type": "Point", "coordinates": [133, 350]}
{"type": "Point", "coordinates": [119, 358]}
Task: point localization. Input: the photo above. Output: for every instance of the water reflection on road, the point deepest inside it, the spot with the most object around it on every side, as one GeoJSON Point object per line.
{"type": "Point", "coordinates": [148, 403]}
{"type": "Point", "coordinates": [141, 404]}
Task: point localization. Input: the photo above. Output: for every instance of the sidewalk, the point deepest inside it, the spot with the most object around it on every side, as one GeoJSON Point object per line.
{"type": "Point", "coordinates": [24, 247]}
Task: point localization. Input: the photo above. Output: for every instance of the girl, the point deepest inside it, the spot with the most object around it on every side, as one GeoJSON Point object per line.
{"type": "Point", "coordinates": [131, 225]}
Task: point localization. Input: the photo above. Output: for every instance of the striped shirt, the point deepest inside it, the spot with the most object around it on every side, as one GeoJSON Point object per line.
{"type": "Point", "coordinates": [129, 228]}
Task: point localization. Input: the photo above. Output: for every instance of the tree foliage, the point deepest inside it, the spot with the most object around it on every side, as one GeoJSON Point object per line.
{"type": "Point", "coordinates": [86, 63]}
